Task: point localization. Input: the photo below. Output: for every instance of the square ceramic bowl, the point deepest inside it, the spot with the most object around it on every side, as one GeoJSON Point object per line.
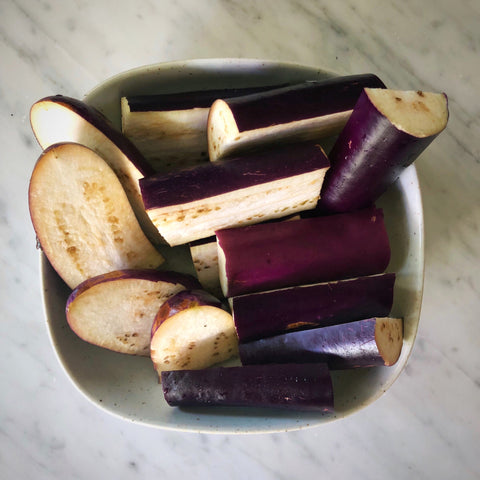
{"type": "Point", "coordinates": [127, 386]}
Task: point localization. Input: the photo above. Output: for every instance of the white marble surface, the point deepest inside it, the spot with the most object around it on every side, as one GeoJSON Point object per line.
{"type": "Point", "coordinates": [427, 426]}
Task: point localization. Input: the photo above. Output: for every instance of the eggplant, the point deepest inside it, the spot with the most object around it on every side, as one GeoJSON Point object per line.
{"type": "Point", "coordinates": [311, 110]}
{"type": "Point", "coordinates": [204, 255]}
{"type": "Point", "coordinates": [60, 119]}
{"type": "Point", "coordinates": [386, 132]}
{"type": "Point", "coordinates": [171, 129]}
{"type": "Point", "coordinates": [369, 342]}
{"type": "Point", "coordinates": [82, 218]}
{"type": "Point", "coordinates": [190, 99]}
{"type": "Point", "coordinates": [191, 204]}
{"type": "Point", "coordinates": [286, 386]}
{"type": "Point", "coordinates": [116, 310]}
{"type": "Point", "coordinates": [192, 330]}
{"type": "Point", "coordinates": [273, 312]}
{"type": "Point", "coordinates": [310, 250]}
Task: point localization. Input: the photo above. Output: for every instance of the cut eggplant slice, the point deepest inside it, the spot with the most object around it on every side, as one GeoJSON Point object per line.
{"type": "Point", "coordinates": [171, 129]}
{"type": "Point", "coordinates": [269, 313]}
{"type": "Point", "coordinates": [290, 386]}
{"type": "Point", "coordinates": [60, 119]}
{"type": "Point", "coordinates": [81, 215]}
{"type": "Point", "coordinates": [365, 343]}
{"type": "Point", "coordinates": [192, 330]}
{"type": "Point", "coordinates": [191, 204]}
{"type": "Point", "coordinates": [116, 310]}
{"type": "Point", "coordinates": [320, 249]}
{"type": "Point", "coordinates": [386, 133]}
{"type": "Point", "coordinates": [307, 111]}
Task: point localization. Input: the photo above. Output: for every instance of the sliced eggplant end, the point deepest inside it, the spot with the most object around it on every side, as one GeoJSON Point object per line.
{"type": "Point", "coordinates": [221, 127]}
{"type": "Point", "coordinates": [389, 339]}
{"type": "Point", "coordinates": [420, 114]}
{"type": "Point", "coordinates": [195, 338]}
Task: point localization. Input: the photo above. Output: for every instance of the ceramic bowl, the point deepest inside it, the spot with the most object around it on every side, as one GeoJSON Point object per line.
{"type": "Point", "coordinates": [127, 386]}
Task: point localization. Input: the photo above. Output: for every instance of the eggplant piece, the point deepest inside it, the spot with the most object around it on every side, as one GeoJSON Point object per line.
{"type": "Point", "coordinates": [386, 133]}
{"type": "Point", "coordinates": [171, 129]}
{"type": "Point", "coordinates": [307, 111]}
{"type": "Point", "coordinates": [192, 330]}
{"type": "Point", "coordinates": [191, 204]}
{"type": "Point", "coordinates": [204, 255]}
{"type": "Point", "coordinates": [287, 386]}
{"type": "Point", "coordinates": [82, 217]}
{"type": "Point", "coordinates": [61, 119]}
{"type": "Point", "coordinates": [365, 343]}
{"type": "Point", "coordinates": [190, 99]}
{"type": "Point", "coordinates": [310, 250]}
{"type": "Point", "coordinates": [169, 140]}
{"type": "Point", "coordinates": [273, 312]}
{"type": "Point", "coordinates": [116, 310]}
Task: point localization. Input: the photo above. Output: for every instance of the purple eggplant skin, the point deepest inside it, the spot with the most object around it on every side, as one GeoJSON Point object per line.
{"type": "Point", "coordinates": [369, 155]}
{"type": "Point", "coordinates": [270, 313]}
{"type": "Point", "coordinates": [301, 101]}
{"type": "Point", "coordinates": [343, 346]}
{"type": "Point", "coordinates": [288, 386]}
{"type": "Point", "coordinates": [190, 99]}
{"type": "Point", "coordinates": [215, 178]}
{"type": "Point", "coordinates": [320, 249]}
{"type": "Point", "coordinates": [96, 118]}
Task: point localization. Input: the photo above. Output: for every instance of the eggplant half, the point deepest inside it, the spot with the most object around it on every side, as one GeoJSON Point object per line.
{"type": "Point", "coordinates": [306, 111]}
{"type": "Point", "coordinates": [269, 313]}
{"type": "Point", "coordinates": [263, 257]}
{"type": "Point", "coordinates": [193, 203]}
{"type": "Point", "coordinates": [371, 342]}
{"type": "Point", "coordinates": [386, 133]}
{"type": "Point", "coordinates": [286, 386]}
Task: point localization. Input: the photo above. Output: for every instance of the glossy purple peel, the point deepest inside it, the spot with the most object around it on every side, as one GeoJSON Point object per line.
{"type": "Point", "coordinates": [311, 110]}
{"type": "Point", "coordinates": [265, 257]}
{"type": "Point", "coordinates": [364, 343]}
{"type": "Point", "coordinates": [269, 313]}
{"type": "Point", "coordinates": [298, 102]}
{"type": "Point", "coordinates": [291, 386]}
{"type": "Point", "coordinates": [386, 133]}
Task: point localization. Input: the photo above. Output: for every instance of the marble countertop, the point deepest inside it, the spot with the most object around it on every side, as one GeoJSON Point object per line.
{"type": "Point", "coordinates": [427, 426]}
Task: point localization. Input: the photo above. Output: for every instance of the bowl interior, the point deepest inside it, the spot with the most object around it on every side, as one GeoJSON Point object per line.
{"type": "Point", "coordinates": [127, 386]}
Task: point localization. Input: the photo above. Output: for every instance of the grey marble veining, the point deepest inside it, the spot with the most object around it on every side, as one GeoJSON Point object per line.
{"type": "Point", "coordinates": [428, 424]}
